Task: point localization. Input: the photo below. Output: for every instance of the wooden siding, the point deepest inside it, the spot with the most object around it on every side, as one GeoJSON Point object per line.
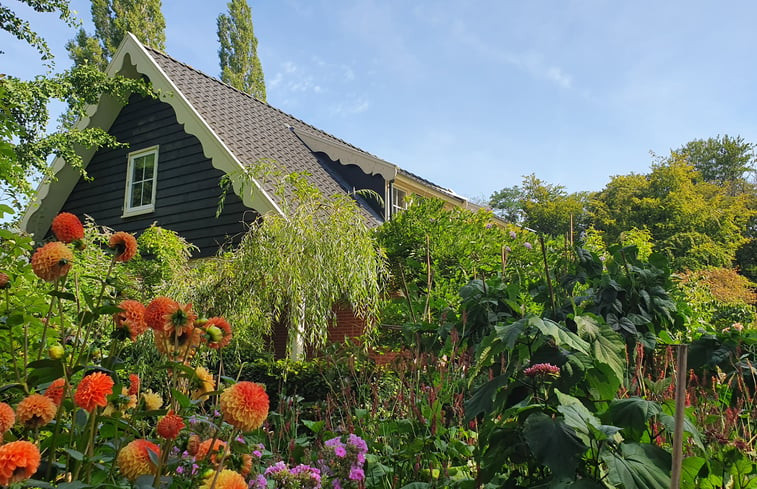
{"type": "Point", "coordinates": [187, 189]}
{"type": "Point", "coordinates": [352, 177]}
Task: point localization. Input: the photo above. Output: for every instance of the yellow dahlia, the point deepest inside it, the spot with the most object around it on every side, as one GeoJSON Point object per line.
{"type": "Point", "coordinates": [205, 383]}
{"type": "Point", "coordinates": [19, 460]}
{"type": "Point", "coordinates": [227, 479]}
{"type": "Point", "coordinates": [125, 245]}
{"type": "Point", "coordinates": [131, 317]}
{"type": "Point", "coordinates": [52, 261]}
{"type": "Point", "coordinates": [152, 400]}
{"type": "Point", "coordinates": [244, 405]}
{"type": "Point", "coordinates": [134, 459]}
{"type": "Point", "coordinates": [67, 227]}
{"type": "Point", "coordinates": [35, 410]}
{"type": "Point", "coordinates": [7, 418]}
{"type": "Point", "coordinates": [93, 391]}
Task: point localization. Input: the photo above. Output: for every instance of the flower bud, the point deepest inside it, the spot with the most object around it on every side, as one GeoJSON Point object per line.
{"type": "Point", "coordinates": [215, 333]}
{"type": "Point", "coordinates": [56, 352]}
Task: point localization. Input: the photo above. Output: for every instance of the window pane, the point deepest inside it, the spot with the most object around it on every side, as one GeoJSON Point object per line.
{"type": "Point", "coordinates": [147, 192]}
{"type": "Point", "coordinates": [136, 194]}
{"type": "Point", "coordinates": [148, 163]}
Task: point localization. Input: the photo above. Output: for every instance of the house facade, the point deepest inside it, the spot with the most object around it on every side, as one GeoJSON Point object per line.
{"type": "Point", "coordinates": [183, 142]}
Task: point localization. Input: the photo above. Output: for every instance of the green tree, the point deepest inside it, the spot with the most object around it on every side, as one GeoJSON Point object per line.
{"type": "Point", "coordinates": [113, 19]}
{"type": "Point", "coordinates": [293, 268]}
{"type": "Point", "coordinates": [506, 203]}
{"type": "Point", "coordinates": [238, 54]}
{"type": "Point", "coordinates": [22, 30]}
{"type": "Point", "coordinates": [724, 160]}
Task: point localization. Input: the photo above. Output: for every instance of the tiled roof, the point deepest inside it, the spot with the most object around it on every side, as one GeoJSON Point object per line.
{"type": "Point", "coordinates": [253, 130]}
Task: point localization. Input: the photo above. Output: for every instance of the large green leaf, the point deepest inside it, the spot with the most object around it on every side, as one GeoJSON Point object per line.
{"type": "Point", "coordinates": [554, 444]}
{"type": "Point", "coordinates": [510, 333]}
{"type": "Point", "coordinates": [482, 399]}
{"type": "Point", "coordinates": [690, 470]}
{"type": "Point", "coordinates": [638, 466]}
{"type": "Point", "coordinates": [632, 414]}
{"type": "Point", "coordinates": [607, 346]}
{"type": "Point", "coordinates": [561, 336]}
{"type": "Point", "coordinates": [577, 416]}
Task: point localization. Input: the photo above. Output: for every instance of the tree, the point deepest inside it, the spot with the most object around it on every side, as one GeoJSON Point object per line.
{"type": "Point", "coordinates": [293, 268]}
{"type": "Point", "coordinates": [113, 19]}
{"type": "Point", "coordinates": [22, 30]}
{"type": "Point", "coordinates": [238, 54]}
{"type": "Point", "coordinates": [506, 203]}
{"type": "Point", "coordinates": [723, 160]}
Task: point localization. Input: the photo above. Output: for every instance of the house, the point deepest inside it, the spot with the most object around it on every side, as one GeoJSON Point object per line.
{"type": "Point", "coordinates": [182, 143]}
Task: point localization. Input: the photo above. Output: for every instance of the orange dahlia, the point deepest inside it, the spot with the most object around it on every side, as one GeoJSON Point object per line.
{"type": "Point", "coordinates": [227, 479]}
{"type": "Point", "coordinates": [134, 459]}
{"type": "Point", "coordinates": [52, 261]}
{"type": "Point", "coordinates": [56, 390]}
{"type": "Point", "coordinates": [19, 460]}
{"type": "Point", "coordinates": [157, 310]}
{"type": "Point", "coordinates": [131, 317]}
{"type": "Point", "coordinates": [246, 467]}
{"type": "Point", "coordinates": [125, 245]}
{"type": "Point", "coordinates": [7, 418]}
{"type": "Point", "coordinates": [193, 444]}
{"type": "Point", "coordinates": [204, 449]}
{"type": "Point", "coordinates": [5, 280]}
{"type": "Point", "coordinates": [244, 405]}
{"type": "Point", "coordinates": [133, 384]}
{"type": "Point", "coordinates": [35, 410]}
{"type": "Point", "coordinates": [221, 335]}
{"type": "Point", "coordinates": [67, 227]}
{"type": "Point", "coordinates": [178, 344]}
{"type": "Point", "coordinates": [179, 318]}
{"type": "Point", "coordinates": [93, 391]}
{"type": "Point", "coordinates": [170, 425]}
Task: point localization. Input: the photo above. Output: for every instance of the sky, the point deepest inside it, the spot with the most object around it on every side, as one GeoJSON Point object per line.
{"type": "Point", "coordinates": [473, 95]}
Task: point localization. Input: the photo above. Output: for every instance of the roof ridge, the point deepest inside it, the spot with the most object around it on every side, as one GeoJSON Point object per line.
{"type": "Point", "coordinates": [221, 82]}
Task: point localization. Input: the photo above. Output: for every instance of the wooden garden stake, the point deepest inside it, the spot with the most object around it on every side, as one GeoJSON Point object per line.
{"type": "Point", "coordinates": [675, 475]}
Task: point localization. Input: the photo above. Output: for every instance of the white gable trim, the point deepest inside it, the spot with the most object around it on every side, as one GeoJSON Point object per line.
{"type": "Point", "coordinates": [130, 55]}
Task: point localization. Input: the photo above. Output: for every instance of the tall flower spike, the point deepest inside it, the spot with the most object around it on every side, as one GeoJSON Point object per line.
{"type": "Point", "coordinates": [67, 228]}
{"type": "Point", "coordinates": [52, 261]}
{"type": "Point", "coordinates": [124, 244]}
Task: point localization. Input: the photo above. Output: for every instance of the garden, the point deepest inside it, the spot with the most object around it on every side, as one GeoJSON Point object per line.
{"type": "Point", "coordinates": [494, 357]}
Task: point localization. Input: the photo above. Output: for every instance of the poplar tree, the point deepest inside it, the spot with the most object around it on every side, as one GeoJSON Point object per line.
{"type": "Point", "coordinates": [240, 66]}
{"type": "Point", "coordinates": [113, 19]}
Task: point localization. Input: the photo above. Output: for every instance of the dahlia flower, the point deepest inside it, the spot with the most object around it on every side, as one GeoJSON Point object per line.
{"type": "Point", "coordinates": [204, 449]}
{"type": "Point", "coordinates": [56, 390]}
{"type": "Point", "coordinates": [223, 327]}
{"type": "Point", "coordinates": [7, 418]}
{"type": "Point", "coordinates": [93, 391]}
{"type": "Point", "coordinates": [205, 381]}
{"type": "Point", "coordinates": [52, 261]}
{"type": "Point", "coordinates": [227, 479]}
{"type": "Point", "coordinates": [156, 311]}
{"type": "Point", "coordinates": [19, 460]}
{"type": "Point", "coordinates": [125, 245]}
{"type": "Point", "coordinates": [152, 400]}
{"type": "Point", "coordinates": [35, 410]}
{"type": "Point", "coordinates": [134, 459]}
{"type": "Point", "coordinates": [131, 317]}
{"type": "Point", "coordinates": [169, 426]}
{"type": "Point", "coordinates": [67, 228]}
{"type": "Point", "coordinates": [244, 405]}
{"type": "Point", "coordinates": [133, 384]}
{"type": "Point", "coordinates": [4, 280]}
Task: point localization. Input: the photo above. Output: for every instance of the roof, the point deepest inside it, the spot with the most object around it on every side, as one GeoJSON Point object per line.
{"type": "Point", "coordinates": [236, 131]}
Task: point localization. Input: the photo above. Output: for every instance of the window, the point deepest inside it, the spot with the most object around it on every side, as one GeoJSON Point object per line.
{"type": "Point", "coordinates": [399, 200]}
{"type": "Point", "coordinates": [141, 180]}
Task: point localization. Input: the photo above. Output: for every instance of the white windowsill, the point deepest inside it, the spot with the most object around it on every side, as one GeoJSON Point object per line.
{"type": "Point", "coordinates": [138, 211]}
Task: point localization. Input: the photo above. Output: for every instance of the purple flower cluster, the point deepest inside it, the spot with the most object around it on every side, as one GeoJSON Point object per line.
{"type": "Point", "coordinates": [344, 460]}
{"type": "Point", "coordinates": [301, 476]}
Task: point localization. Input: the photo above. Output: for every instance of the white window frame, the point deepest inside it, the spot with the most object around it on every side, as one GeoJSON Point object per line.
{"type": "Point", "coordinates": [398, 199]}
{"type": "Point", "coordinates": [145, 208]}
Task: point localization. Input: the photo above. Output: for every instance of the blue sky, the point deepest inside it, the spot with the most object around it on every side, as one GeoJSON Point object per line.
{"type": "Point", "coordinates": [473, 95]}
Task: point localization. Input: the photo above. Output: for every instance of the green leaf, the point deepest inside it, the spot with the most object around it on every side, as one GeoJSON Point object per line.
{"type": "Point", "coordinates": [314, 426]}
{"type": "Point", "coordinates": [553, 443]}
{"type": "Point", "coordinates": [183, 399]}
{"type": "Point", "coordinates": [577, 416]}
{"type": "Point", "coordinates": [63, 295]}
{"type": "Point", "coordinates": [669, 422]}
{"type": "Point", "coordinates": [511, 333]}
{"type": "Point", "coordinates": [416, 485]}
{"type": "Point", "coordinates": [690, 471]}
{"type": "Point", "coordinates": [632, 414]}
{"type": "Point", "coordinates": [607, 346]}
{"type": "Point", "coordinates": [638, 466]}
{"type": "Point", "coordinates": [561, 336]}
{"type": "Point", "coordinates": [482, 400]}
{"type": "Point", "coordinates": [75, 454]}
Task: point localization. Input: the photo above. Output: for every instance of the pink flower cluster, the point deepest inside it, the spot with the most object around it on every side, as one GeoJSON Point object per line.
{"type": "Point", "coordinates": [301, 476]}
{"type": "Point", "coordinates": [542, 370]}
{"type": "Point", "coordinates": [345, 457]}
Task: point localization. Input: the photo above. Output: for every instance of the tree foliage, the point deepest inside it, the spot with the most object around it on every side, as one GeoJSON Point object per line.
{"type": "Point", "coordinates": [113, 19]}
{"type": "Point", "coordinates": [293, 268]}
{"type": "Point", "coordinates": [240, 65]}
{"type": "Point", "coordinates": [724, 160]}
{"type": "Point", "coordinates": [22, 29]}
